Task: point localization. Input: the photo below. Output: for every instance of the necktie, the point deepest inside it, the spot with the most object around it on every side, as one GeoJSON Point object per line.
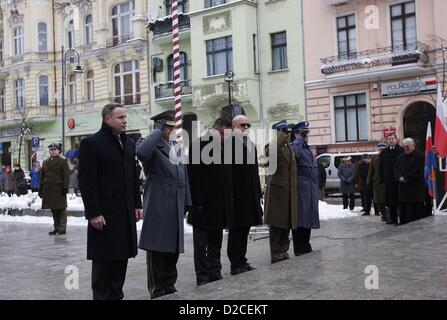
{"type": "Point", "coordinates": [119, 140]}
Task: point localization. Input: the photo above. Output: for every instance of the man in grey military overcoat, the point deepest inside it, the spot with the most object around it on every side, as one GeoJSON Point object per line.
{"type": "Point", "coordinates": [165, 201]}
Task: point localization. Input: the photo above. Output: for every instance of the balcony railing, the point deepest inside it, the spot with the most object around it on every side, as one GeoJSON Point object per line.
{"type": "Point", "coordinates": [30, 57]}
{"type": "Point", "coordinates": [372, 58]}
{"type": "Point", "coordinates": [166, 90]}
{"type": "Point", "coordinates": [163, 26]}
{"type": "Point", "coordinates": [29, 113]}
{"type": "Point", "coordinates": [120, 39]}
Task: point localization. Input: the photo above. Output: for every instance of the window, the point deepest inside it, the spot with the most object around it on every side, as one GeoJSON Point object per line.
{"type": "Point", "coordinates": [42, 38]}
{"type": "Point", "coordinates": [350, 118]}
{"type": "Point", "coordinates": [72, 89]}
{"type": "Point", "coordinates": [182, 6]}
{"type": "Point", "coordinates": [212, 3]}
{"type": "Point", "coordinates": [43, 91]}
{"type": "Point", "coordinates": [403, 26]}
{"type": "Point", "coordinates": [1, 50]}
{"type": "Point", "coordinates": [127, 82]}
{"type": "Point", "coordinates": [347, 39]}
{"type": "Point", "coordinates": [279, 51]}
{"type": "Point", "coordinates": [70, 35]}
{"type": "Point", "coordinates": [18, 41]}
{"type": "Point", "coordinates": [121, 20]}
{"type": "Point", "coordinates": [89, 30]}
{"type": "Point", "coordinates": [183, 67]}
{"type": "Point", "coordinates": [2, 100]}
{"type": "Point", "coordinates": [90, 86]}
{"type": "Point", "coordinates": [219, 54]}
{"type": "Point", "coordinates": [19, 93]}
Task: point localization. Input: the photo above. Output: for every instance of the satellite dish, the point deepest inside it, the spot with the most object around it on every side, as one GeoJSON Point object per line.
{"type": "Point", "coordinates": [152, 14]}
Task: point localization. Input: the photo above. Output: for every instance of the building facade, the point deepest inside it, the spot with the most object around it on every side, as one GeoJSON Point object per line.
{"type": "Point", "coordinates": [373, 69]}
{"type": "Point", "coordinates": [259, 41]}
{"type": "Point", "coordinates": [111, 39]}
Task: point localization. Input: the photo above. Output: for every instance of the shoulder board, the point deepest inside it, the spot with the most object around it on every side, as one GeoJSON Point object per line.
{"type": "Point", "coordinates": [62, 157]}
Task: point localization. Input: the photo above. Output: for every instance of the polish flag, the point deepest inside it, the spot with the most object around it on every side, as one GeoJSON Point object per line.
{"type": "Point", "coordinates": [441, 126]}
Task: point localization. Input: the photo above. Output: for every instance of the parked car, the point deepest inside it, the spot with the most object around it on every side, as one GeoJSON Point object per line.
{"type": "Point", "coordinates": [331, 162]}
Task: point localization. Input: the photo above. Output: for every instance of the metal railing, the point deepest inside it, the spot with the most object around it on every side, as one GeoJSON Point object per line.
{"type": "Point", "coordinates": [29, 113]}
{"type": "Point", "coordinates": [163, 26]}
{"type": "Point", "coordinates": [119, 39]}
{"type": "Point", "coordinates": [371, 58]}
{"type": "Point", "coordinates": [166, 90]}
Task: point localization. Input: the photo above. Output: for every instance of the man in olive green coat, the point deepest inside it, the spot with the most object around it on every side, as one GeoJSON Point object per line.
{"type": "Point", "coordinates": [378, 188]}
{"type": "Point", "coordinates": [280, 206]}
{"type": "Point", "coordinates": [53, 188]}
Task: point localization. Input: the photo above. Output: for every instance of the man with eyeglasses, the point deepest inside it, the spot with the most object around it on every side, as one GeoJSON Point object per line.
{"type": "Point", "coordinates": [247, 210]}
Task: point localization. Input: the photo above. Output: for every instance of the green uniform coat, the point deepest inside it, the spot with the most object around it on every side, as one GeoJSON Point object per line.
{"type": "Point", "coordinates": [54, 180]}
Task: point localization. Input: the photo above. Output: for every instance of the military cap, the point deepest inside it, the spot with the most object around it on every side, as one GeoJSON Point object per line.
{"type": "Point", "coordinates": [169, 116]}
{"type": "Point", "coordinates": [303, 125]}
{"type": "Point", "coordinates": [280, 125]}
{"type": "Point", "coordinates": [54, 146]}
{"type": "Point", "coordinates": [381, 145]}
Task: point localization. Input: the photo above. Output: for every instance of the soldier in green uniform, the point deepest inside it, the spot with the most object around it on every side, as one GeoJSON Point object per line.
{"type": "Point", "coordinates": [53, 188]}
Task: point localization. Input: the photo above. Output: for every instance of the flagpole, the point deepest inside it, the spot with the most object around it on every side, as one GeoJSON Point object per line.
{"type": "Point", "coordinates": [435, 191]}
{"type": "Point", "coordinates": [177, 77]}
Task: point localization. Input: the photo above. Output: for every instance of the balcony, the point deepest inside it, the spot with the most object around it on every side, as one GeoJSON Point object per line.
{"type": "Point", "coordinates": [372, 58]}
{"type": "Point", "coordinates": [30, 114]}
{"type": "Point", "coordinates": [166, 90]}
{"type": "Point", "coordinates": [120, 39]}
{"type": "Point", "coordinates": [163, 26]}
{"type": "Point", "coordinates": [30, 57]}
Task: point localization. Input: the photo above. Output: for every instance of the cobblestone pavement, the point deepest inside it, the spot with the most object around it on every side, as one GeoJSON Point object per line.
{"type": "Point", "coordinates": [410, 260]}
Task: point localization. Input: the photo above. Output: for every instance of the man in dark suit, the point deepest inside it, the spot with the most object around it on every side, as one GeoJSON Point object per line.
{"type": "Point", "coordinates": [387, 159]}
{"type": "Point", "coordinates": [109, 186]}
{"type": "Point", "coordinates": [210, 210]}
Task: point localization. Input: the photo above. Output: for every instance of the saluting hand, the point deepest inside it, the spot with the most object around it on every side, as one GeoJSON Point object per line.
{"type": "Point", "coordinates": [139, 214]}
{"type": "Point", "coordinates": [98, 222]}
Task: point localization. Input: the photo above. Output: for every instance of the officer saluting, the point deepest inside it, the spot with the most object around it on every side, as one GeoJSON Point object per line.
{"type": "Point", "coordinates": [166, 198]}
{"type": "Point", "coordinates": [308, 193]}
{"type": "Point", "coordinates": [53, 188]}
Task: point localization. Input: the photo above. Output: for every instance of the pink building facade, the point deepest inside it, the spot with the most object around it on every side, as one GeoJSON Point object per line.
{"type": "Point", "coordinates": [372, 67]}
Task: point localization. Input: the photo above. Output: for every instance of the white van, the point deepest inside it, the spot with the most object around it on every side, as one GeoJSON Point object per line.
{"type": "Point", "coordinates": [331, 162]}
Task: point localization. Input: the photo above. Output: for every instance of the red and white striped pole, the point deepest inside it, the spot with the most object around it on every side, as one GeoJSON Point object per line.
{"type": "Point", "coordinates": [177, 80]}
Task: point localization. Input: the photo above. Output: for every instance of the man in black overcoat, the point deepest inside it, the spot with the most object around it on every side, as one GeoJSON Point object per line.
{"type": "Point", "coordinates": [387, 159]}
{"type": "Point", "coordinates": [109, 186]}
{"type": "Point", "coordinates": [211, 186]}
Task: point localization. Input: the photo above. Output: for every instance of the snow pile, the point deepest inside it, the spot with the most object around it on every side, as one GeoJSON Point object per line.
{"type": "Point", "coordinates": [330, 211]}
{"type": "Point", "coordinates": [34, 202]}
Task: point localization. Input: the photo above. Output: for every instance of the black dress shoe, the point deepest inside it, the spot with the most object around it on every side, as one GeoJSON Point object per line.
{"type": "Point", "coordinates": [248, 267]}
{"type": "Point", "coordinates": [170, 290]}
{"type": "Point", "coordinates": [62, 232]}
{"type": "Point", "coordinates": [236, 271]}
{"type": "Point", "coordinates": [202, 282]}
{"type": "Point", "coordinates": [52, 233]}
{"type": "Point", "coordinates": [158, 294]}
{"type": "Point", "coordinates": [366, 214]}
{"type": "Point", "coordinates": [215, 278]}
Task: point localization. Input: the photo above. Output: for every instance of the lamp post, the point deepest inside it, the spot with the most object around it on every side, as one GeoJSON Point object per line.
{"type": "Point", "coordinates": [229, 78]}
{"type": "Point", "coordinates": [77, 70]}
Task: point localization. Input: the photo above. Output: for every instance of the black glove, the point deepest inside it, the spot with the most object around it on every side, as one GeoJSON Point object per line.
{"type": "Point", "coordinates": [160, 124]}
{"type": "Point", "coordinates": [197, 211]}
{"type": "Point", "coordinates": [40, 194]}
{"type": "Point", "coordinates": [64, 192]}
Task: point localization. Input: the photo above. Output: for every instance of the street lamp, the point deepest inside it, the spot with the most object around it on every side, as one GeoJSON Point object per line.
{"type": "Point", "coordinates": [77, 70]}
{"type": "Point", "coordinates": [229, 78]}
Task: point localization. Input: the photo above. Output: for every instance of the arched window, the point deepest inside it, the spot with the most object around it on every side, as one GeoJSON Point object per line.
{"type": "Point", "coordinates": [70, 35]}
{"type": "Point", "coordinates": [121, 22]}
{"type": "Point", "coordinates": [89, 30]}
{"type": "Point", "coordinates": [42, 37]}
{"type": "Point", "coordinates": [43, 91]}
{"type": "Point", "coordinates": [90, 86]}
{"type": "Point", "coordinates": [183, 67]}
{"type": "Point", "coordinates": [18, 40]}
{"type": "Point", "coordinates": [72, 88]}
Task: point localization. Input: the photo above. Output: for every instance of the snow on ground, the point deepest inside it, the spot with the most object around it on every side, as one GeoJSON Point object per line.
{"type": "Point", "coordinates": [32, 201]}
{"type": "Point", "coordinates": [330, 211]}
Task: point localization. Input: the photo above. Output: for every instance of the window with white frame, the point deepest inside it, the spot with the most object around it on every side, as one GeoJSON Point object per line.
{"type": "Point", "coordinates": [90, 86]}
{"type": "Point", "coordinates": [350, 118]}
{"type": "Point", "coordinates": [19, 86]}
{"type": "Point", "coordinates": [71, 34]}
{"type": "Point", "coordinates": [2, 99]}
{"type": "Point", "coordinates": [127, 83]}
{"type": "Point", "coordinates": [182, 6]}
{"type": "Point", "coordinates": [43, 91]}
{"type": "Point", "coordinates": [403, 26]}
{"type": "Point", "coordinates": [279, 51]}
{"type": "Point", "coordinates": [42, 37]}
{"type": "Point", "coordinates": [219, 54]}
{"type": "Point", "coordinates": [18, 40]}
{"type": "Point", "coordinates": [89, 29]}
{"type": "Point", "coordinates": [212, 3]}
{"type": "Point", "coordinates": [121, 20]}
{"type": "Point", "coordinates": [72, 89]}
{"type": "Point", "coordinates": [346, 36]}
